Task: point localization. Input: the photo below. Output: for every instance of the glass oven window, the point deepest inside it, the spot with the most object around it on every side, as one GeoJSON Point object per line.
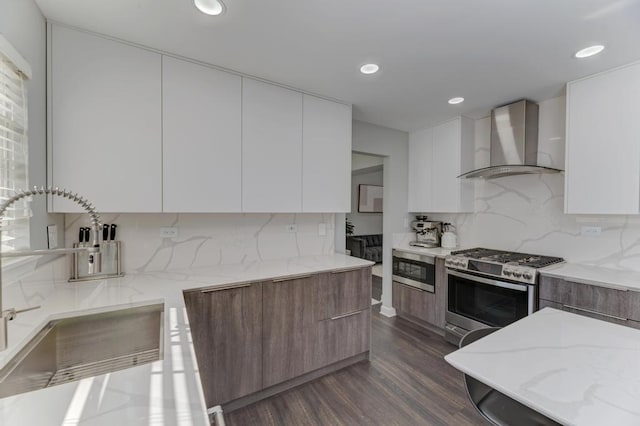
{"type": "Point", "coordinates": [414, 270]}
{"type": "Point", "coordinates": [485, 303]}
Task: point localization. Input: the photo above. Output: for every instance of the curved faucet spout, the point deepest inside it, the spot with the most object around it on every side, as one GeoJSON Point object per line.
{"type": "Point", "coordinates": [94, 259]}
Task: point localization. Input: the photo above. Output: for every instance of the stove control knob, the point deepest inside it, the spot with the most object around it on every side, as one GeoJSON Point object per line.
{"type": "Point", "coordinates": [517, 273]}
{"type": "Point", "coordinates": [507, 272]}
{"type": "Point", "coordinates": [527, 275]}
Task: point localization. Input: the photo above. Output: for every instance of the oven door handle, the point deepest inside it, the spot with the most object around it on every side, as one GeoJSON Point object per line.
{"type": "Point", "coordinates": [413, 256]}
{"type": "Point", "coordinates": [511, 286]}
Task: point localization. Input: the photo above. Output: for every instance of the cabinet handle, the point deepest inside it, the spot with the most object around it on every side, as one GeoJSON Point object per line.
{"type": "Point", "coordinates": [225, 287]}
{"type": "Point", "coordinates": [296, 277]}
{"type": "Point", "coordinates": [346, 315]}
{"type": "Point", "coordinates": [595, 312]}
{"type": "Point", "coordinates": [342, 271]}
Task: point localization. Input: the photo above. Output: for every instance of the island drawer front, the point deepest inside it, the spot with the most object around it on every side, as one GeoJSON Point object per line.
{"type": "Point", "coordinates": [560, 306]}
{"type": "Point", "coordinates": [343, 336]}
{"type": "Point", "coordinates": [607, 301]}
{"type": "Point", "coordinates": [343, 292]}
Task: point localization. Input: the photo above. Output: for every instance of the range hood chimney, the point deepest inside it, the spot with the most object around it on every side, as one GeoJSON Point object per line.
{"type": "Point", "coordinates": [514, 143]}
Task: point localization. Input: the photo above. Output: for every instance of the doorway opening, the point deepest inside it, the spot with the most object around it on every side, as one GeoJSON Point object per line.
{"type": "Point", "coordinates": [364, 222]}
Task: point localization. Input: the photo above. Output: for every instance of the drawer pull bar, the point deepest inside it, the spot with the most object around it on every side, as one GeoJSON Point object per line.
{"type": "Point", "coordinates": [342, 271]}
{"type": "Point", "coordinates": [346, 315]}
{"type": "Point", "coordinates": [296, 277]}
{"type": "Point", "coordinates": [595, 312]}
{"type": "Point", "coordinates": [225, 287]}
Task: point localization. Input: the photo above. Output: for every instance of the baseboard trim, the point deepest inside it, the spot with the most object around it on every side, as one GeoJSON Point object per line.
{"type": "Point", "coordinates": [296, 381]}
{"type": "Point", "coordinates": [388, 311]}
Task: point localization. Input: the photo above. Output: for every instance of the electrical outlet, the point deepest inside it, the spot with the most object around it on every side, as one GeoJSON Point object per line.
{"type": "Point", "coordinates": [52, 236]}
{"type": "Point", "coordinates": [590, 230]}
{"type": "Point", "coordinates": [322, 229]}
{"type": "Point", "coordinates": [291, 228]}
{"type": "Point", "coordinates": [169, 232]}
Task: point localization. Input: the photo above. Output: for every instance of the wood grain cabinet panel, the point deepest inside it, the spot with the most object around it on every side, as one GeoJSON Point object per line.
{"type": "Point", "coordinates": [604, 300]}
{"type": "Point", "coordinates": [289, 329]}
{"type": "Point", "coordinates": [343, 292]}
{"type": "Point", "coordinates": [414, 303]}
{"type": "Point", "coordinates": [441, 292]}
{"type": "Point", "coordinates": [344, 337]}
{"type": "Point", "coordinates": [561, 307]}
{"type": "Point", "coordinates": [226, 327]}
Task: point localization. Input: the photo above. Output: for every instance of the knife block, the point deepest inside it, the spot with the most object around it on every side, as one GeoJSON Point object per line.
{"type": "Point", "coordinates": [110, 263]}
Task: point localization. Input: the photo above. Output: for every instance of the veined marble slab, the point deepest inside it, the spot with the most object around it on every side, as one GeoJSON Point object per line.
{"type": "Point", "coordinates": [575, 370]}
{"type": "Point", "coordinates": [166, 392]}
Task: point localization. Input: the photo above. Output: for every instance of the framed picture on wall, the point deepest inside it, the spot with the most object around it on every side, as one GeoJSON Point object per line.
{"type": "Point", "coordinates": [370, 198]}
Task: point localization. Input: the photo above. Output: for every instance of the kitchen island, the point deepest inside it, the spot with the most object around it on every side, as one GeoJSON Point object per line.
{"type": "Point", "coordinates": [165, 392]}
{"type": "Point", "coordinates": [573, 369]}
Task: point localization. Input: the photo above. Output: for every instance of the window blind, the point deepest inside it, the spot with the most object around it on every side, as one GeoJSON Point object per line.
{"type": "Point", "coordinates": [13, 155]}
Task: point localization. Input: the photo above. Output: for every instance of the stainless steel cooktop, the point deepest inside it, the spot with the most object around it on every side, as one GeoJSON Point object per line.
{"type": "Point", "coordinates": [514, 266]}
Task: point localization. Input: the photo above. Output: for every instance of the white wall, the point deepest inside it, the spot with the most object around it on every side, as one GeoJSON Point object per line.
{"type": "Point", "coordinates": [212, 239]}
{"type": "Point", "coordinates": [365, 223]}
{"type": "Point", "coordinates": [363, 161]}
{"type": "Point", "coordinates": [22, 23]}
{"type": "Point", "coordinates": [393, 146]}
{"type": "Point", "coordinates": [526, 213]}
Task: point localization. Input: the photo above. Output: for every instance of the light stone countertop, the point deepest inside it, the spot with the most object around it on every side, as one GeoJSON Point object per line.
{"type": "Point", "coordinates": [575, 370]}
{"type": "Point", "coordinates": [165, 392]}
{"type": "Point", "coordinates": [596, 275]}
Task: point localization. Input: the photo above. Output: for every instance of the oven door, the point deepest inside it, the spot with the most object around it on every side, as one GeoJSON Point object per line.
{"type": "Point", "coordinates": [475, 302]}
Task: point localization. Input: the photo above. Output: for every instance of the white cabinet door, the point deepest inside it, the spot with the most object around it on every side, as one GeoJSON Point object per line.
{"type": "Point", "coordinates": [445, 167]}
{"type": "Point", "coordinates": [271, 148]}
{"type": "Point", "coordinates": [437, 156]}
{"type": "Point", "coordinates": [420, 155]}
{"type": "Point", "coordinates": [603, 143]}
{"type": "Point", "coordinates": [106, 123]}
{"type": "Point", "coordinates": [202, 147]}
{"type": "Point", "coordinates": [326, 156]}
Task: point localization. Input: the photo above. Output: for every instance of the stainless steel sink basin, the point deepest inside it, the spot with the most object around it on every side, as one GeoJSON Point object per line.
{"type": "Point", "coordinates": [73, 348]}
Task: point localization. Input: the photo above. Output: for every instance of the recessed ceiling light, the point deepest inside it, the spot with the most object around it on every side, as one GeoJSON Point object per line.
{"type": "Point", "coordinates": [457, 100]}
{"type": "Point", "coordinates": [589, 51]}
{"type": "Point", "coordinates": [210, 7]}
{"type": "Point", "coordinates": [369, 69]}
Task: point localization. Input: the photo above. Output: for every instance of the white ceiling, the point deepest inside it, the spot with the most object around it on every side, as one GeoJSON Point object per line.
{"type": "Point", "coordinates": [489, 51]}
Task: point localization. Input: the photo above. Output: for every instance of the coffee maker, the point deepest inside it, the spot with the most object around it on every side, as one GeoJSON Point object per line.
{"type": "Point", "coordinates": [428, 233]}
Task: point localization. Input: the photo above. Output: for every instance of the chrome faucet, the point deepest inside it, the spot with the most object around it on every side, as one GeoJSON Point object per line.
{"type": "Point", "coordinates": [94, 250]}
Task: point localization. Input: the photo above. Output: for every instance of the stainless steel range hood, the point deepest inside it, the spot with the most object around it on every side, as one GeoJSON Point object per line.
{"type": "Point", "coordinates": [514, 143]}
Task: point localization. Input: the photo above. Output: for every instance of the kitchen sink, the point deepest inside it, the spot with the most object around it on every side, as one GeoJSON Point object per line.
{"type": "Point", "coordinates": [73, 348]}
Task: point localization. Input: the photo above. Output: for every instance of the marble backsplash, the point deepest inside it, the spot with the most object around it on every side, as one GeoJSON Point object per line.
{"type": "Point", "coordinates": [526, 213]}
{"type": "Point", "coordinates": [212, 239]}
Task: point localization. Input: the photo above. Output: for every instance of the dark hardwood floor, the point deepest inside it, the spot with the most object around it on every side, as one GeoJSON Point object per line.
{"type": "Point", "coordinates": [407, 382]}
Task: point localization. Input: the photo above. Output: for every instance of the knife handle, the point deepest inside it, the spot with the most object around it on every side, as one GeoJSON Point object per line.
{"type": "Point", "coordinates": [81, 235]}
{"type": "Point", "coordinates": [105, 232]}
{"type": "Point", "coordinates": [113, 231]}
{"type": "Point", "coordinates": [87, 235]}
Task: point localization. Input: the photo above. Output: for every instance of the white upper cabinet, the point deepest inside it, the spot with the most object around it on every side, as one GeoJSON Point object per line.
{"type": "Point", "coordinates": [326, 156]}
{"type": "Point", "coordinates": [420, 157]}
{"type": "Point", "coordinates": [202, 146]}
{"type": "Point", "coordinates": [105, 123]}
{"type": "Point", "coordinates": [271, 148]}
{"type": "Point", "coordinates": [602, 173]}
{"type": "Point", "coordinates": [437, 156]}
{"type": "Point", "coordinates": [135, 131]}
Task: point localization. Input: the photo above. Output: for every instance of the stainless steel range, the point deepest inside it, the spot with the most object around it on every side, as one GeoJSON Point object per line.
{"type": "Point", "coordinates": [492, 288]}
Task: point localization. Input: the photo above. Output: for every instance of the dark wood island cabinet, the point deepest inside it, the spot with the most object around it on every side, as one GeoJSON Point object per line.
{"type": "Point", "coordinates": [253, 340]}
